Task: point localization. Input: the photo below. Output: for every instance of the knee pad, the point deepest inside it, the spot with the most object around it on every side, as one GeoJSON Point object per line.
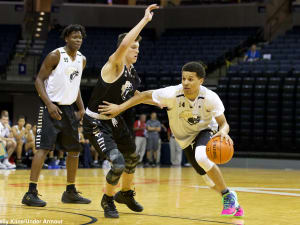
{"type": "Point", "coordinates": [131, 161]}
{"type": "Point", "coordinates": [117, 167]}
{"type": "Point", "coordinates": [201, 158]}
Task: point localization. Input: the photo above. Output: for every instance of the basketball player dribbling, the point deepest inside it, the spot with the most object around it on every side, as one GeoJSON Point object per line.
{"type": "Point", "coordinates": [194, 113]}
{"type": "Point", "coordinates": [58, 85]}
{"type": "Point", "coordinates": [112, 138]}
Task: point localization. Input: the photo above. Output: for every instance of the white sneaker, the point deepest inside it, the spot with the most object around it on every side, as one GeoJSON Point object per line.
{"type": "Point", "coordinates": [2, 166]}
{"type": "Point", "coordinates": [8, 164]}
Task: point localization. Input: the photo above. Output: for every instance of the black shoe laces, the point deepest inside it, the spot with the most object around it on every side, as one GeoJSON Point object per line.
{"type": "Point", "coordinates": [35, 194]}
{"type": "Point", "coordinates": [76, 193]}
{"type": "Point", "coordinates": [129, 193]}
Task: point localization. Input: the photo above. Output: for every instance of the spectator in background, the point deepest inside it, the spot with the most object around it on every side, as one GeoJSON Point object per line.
{"type": "Point", "coordinates": [6, 114]}
{"type": "Point", "coordinates": [6, 137]}
{"type": "Point", "coordinates": [85, 156]}
{"type": "Point", "coordinates": [153, 128]}
{"type": "Point", "coordinates": [139, 128]}
{"type": "Point", "coordinates": [252, 55]}
{"type": "Point", "coordinates": [95, 154]}
{"type": "Point", "coordinates": [175, 149]}
{"type": "Point", "coordinates": [19, 134]}
{"type": "Point", "coordinates": [162, 138]}
{"type": "Point", "coordinates": [30, 138]}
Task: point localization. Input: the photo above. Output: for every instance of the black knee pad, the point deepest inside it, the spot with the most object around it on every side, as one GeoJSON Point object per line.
{"type": "Point", "coordinates": [131, 160]}
{"type": "Point", "coordinates": [117, 168]}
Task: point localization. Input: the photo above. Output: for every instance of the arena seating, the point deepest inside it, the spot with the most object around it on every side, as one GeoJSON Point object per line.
{"type": "Point", "coordinates": [263, 98]}
{"type": "Point", "coordinates": [160, 58]}
{"type": "Point", "coordinates": [7, 43]}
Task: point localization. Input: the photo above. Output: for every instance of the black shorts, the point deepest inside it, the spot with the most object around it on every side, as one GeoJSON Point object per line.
{"type": "Point", "coordinates": [106, 135]}
{"type": "Point", "coordinates": [202, 138]}
{"type": "Point", "coordinates": [62, 134]}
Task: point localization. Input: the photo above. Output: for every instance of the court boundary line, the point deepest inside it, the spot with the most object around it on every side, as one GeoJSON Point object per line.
{"type": "Point", "coordinates": [128, 213]}
{"type": "Point", "coordinates": [259, 190]}
{"type": "Point", "coordinates": [93, 219]}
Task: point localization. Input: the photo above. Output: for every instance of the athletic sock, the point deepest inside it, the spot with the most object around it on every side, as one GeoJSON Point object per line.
{"type": "Point", "coordinates": [225, 191]}
{"type": "Point", "coordinates": [32, 187]}
{"type": "Point", "coordinates": [70, 187]}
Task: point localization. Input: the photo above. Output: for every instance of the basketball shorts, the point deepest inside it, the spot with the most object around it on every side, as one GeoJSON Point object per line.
{"type": "Point", "coordinates": [106, 135]}
{"type": "Point", "coordinates": [202, 139]}
{"type": "Point", "coordinates": [58, 134]}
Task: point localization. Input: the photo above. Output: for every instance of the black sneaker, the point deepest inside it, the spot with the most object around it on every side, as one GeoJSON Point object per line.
{"type": "Point", "coordinates": [73, 196]}
{"type": "Point", "coordinates": [32, 199]}
{"type": "Point", "coordinates": [108, 205]}
{"type": "Point", "coordinates": [127, 197]}
{"type": "Point", "coordinates": [20, 165]}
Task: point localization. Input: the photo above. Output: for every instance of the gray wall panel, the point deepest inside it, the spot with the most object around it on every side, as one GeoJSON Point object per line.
{"type": "Point", "coordinates": [8, 15]}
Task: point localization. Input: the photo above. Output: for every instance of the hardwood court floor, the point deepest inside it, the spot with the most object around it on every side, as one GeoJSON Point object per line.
{"type": "Point", "coordinates": [170, 196]}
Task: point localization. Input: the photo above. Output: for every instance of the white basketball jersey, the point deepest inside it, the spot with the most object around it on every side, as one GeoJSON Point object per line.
{"type": "Point", "coordinates": [63, 84]}
{"type": "Point", "coordinates": [187, 118]}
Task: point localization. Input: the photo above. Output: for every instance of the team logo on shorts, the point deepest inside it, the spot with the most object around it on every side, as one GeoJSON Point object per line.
{"type": "Point", "coordinates": [189, 117]}
{"type": "Point", "coordinates": [114, 122]}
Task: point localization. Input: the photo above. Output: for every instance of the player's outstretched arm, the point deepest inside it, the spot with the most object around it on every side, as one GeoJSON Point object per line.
{"type": "Point", "coordinates": [117, 58]}
{"type": "Point", "coordinates": [112, 110]}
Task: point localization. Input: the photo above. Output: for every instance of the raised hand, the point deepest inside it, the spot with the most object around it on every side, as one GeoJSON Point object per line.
{"type": "Point", "coordinates": [148, 12]}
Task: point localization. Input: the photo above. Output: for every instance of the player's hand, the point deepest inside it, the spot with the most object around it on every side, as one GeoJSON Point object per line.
{"type": "Point", "coordinates": [109, 109]}
{"type": "Point", "coordinates": [148, 12]}
{"type": "Point", "coordinates": [224, 136]}
{"type": "Point", "coordinates": [54, 111]}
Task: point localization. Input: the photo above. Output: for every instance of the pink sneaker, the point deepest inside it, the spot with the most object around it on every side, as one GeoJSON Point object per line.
{"type": "Point", "coordinates": [240, 212]}
{"type": "Point", "coordinates": [231, 205]}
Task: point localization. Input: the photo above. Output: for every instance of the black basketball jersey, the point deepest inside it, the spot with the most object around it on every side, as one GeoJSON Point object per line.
{"type": "Point", "coordinates": [117, 92]}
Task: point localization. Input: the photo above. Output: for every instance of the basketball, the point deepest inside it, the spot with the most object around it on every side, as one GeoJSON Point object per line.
{"type": "Point", "coordinates": [219, 151]}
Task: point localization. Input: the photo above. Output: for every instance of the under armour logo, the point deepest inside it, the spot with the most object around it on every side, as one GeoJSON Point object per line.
{"type": "Point", "coordinates": [66, 60]}
{"type": "Point", "coordinates": [114, 122]}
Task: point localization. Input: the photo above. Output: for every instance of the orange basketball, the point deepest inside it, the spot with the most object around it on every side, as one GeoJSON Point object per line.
{"type": "Point", "coordinates": [219, 151]}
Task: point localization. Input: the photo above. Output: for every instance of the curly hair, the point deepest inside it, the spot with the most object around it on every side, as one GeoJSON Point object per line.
{"type": "Point", "coordinates": [73, 27]}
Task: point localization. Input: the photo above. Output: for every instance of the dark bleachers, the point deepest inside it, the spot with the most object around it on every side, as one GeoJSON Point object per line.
{"type": "Point", "coordinates": [8, 39]}
{"type": "Point", "coordinates": [205, 2]}
{"type": "Point", "coordinates": [285, 58]}
{"type": "Point", "coordinates": [162, 57]}
{"type": "Point", "coordinates": [275, 98]}
{"type": "Point", "coordinates": [263, 112]}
